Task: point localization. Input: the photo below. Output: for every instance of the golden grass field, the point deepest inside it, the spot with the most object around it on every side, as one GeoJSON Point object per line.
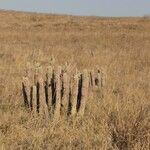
{"type": "Point", "coordinates": [116, 118]}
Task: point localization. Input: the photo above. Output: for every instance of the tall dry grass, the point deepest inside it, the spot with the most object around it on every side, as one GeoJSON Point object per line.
{"type": "Point", "coordinates": [117, 117]}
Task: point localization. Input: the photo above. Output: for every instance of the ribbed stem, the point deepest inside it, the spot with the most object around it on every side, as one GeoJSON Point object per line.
{"type": "Point", "coordinates": [93, 78]}
{"type": "Point", "coordinates": [49, 75]}
{"type": "Point", "coordinates": [26, 91]}
{"type": "Point", "coordinates": [74, 94]}
{"type": "Point", "coordinates": [65, 97]}
{"type": "Point", "coordinates": [84, 93]}
{"type": "Point", "coordinates": [34, 100]}
{"type": "Point", "coordinates": [43, 110]}
{"type": "Point", "coordinates": [58, 93]}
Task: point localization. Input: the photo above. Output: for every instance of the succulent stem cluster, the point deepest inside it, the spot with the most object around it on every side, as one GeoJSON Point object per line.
{"type": "Point", "coordinates": [59, 93]}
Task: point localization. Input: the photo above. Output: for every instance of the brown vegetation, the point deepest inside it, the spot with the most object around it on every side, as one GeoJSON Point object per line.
{"type": "Point", "coordinates": [116, 116]}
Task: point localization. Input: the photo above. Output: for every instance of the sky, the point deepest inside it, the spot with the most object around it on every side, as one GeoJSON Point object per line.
{"type": "Point", "coordinates": [81, 7]}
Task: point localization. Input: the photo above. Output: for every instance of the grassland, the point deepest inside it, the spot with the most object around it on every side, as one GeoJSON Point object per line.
{"type": "Point", "coordinates": [117, 118]}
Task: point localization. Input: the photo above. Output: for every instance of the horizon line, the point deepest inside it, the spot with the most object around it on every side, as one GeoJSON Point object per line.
{"type": "Point", "coordinates": [69, 14]}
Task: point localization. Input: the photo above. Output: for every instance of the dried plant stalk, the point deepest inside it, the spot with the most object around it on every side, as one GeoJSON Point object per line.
{"type": "Point", "coordinates": [65, 98]}
{"type": "Point", "coordinates": [84, 93]}
{"type": "Point", "coordinates": [103, 77]}
{"type": "Point", "coordinates": [90, 79]}
{"type": "Point", "coordinates": [93, 78]}
{"type": "Point", "coordinates": [43, 110]}
{"type": "Point", "coordinates": [34, 100]}
{"type": "Point", "coordinates": [37, 73]}
{"type": "Point", "coordinates": [74, 94]}
{"type": "Point", "coordinates": [49, 75]}
{"type": "Point", "coordinates": [28, 70]}
{"type": "Point", "coordinates": [26, 91]}
{"type": "Point", "coordinates": [58, 93]}
{"type": "Point", "coordinates": [99, 77]}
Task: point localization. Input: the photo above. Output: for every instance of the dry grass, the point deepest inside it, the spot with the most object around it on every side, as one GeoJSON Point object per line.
{"type": "Point", "coordinates": [117, 118]}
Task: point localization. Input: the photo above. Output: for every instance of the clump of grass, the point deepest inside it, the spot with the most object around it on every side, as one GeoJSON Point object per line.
{"type": "Point", "coordinates": [130, 131]}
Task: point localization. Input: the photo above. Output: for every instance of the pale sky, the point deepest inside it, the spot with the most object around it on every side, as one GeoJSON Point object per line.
{"type": "Point", "coordinates": [81, 7]}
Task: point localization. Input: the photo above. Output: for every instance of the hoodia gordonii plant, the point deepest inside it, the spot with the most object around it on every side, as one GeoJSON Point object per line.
{"type": "Point", "coordinates": [34, 100]}
{"type": "Point", "coordinates": [65, 93]}
{"type": "Point", "coordinates": [84, 91]}
{"type": "Point", "coordinates": [54, 92]}
{"type": "Point", "coordinates": [57, 92]}
{"type": "Point", "coordinates": [97, 78]}
{"type": "Point", "coordinates": [49, 76]}
{"type": "Point", "coordinates": [74, 93]}
{"type": "Point", "coordinates": [43, 108]}
{"type": "Point", "coordinates": [26, 88]}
